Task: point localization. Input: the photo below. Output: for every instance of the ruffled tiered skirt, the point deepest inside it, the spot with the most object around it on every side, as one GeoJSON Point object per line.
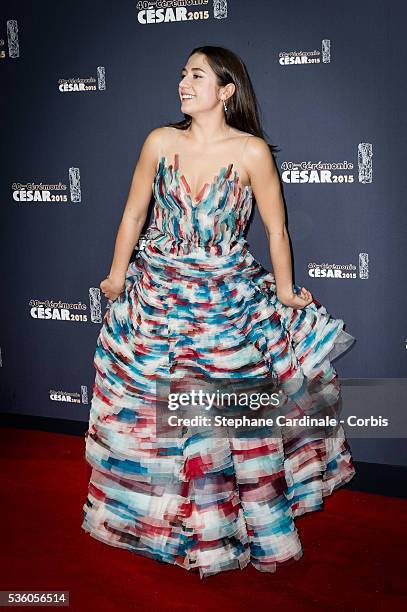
{"type": "Point", "coordinates": [204, 502]}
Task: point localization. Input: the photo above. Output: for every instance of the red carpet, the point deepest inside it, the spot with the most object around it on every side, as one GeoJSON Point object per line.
{"type": "Point", "coordinates": [354, 550]}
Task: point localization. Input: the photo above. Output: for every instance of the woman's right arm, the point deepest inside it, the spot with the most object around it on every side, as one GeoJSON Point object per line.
{"type": "Point", "coordinates": [134, 215]}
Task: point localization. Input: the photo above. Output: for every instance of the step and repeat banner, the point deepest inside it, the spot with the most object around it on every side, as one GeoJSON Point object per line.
{"type": "Point", "coordinates": [82, 85]}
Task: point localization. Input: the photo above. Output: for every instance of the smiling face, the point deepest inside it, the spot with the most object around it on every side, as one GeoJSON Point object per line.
{"type": "Point", "coordinates": [198, 88]}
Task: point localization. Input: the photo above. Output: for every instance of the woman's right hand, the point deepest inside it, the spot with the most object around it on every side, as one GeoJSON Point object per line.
{"type": "Point", "coordinates": [112, 287]}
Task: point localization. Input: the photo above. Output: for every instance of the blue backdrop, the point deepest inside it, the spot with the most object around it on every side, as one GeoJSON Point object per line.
{"type": "Point", "coordinates": [84, 82]}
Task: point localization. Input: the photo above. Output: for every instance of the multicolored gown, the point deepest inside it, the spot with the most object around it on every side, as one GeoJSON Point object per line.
{"type": "Point", "coordinates": [197, 303]}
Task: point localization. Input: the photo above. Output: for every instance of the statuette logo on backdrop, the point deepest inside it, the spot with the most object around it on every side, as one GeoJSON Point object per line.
{"type": "Point", "coordinates": [331, 172]}
{"type": "Point", "coordinates": [80, 84]}
{"type": "Point", "coordinates": [75, 184]}
{"type": "Point", "coordinates": [170, 11]}
{"type": "Point", "coordinates": [365, 154]}
{"type": "Point", "coordinates": [95, 305]}
{"type": "Point", "coordinates": [341, 271]}
{"type": "Point", "coordinates": [49, 192]}
{"type": "Point", "coordinates": [295, 58]}
{"type": "Point", "coordinates": [13, 46]}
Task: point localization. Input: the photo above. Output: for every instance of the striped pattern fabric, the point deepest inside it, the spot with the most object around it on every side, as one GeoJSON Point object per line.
{"type": "Point", "coordinates": [196, 303]}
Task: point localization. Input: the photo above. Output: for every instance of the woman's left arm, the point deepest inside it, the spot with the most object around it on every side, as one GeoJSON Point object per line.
{"type": "Point", "coordinates": [265, 183]}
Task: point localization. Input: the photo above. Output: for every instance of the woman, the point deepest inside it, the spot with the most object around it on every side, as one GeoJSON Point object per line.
{"type": "Point", "coordinates": [195, 303]}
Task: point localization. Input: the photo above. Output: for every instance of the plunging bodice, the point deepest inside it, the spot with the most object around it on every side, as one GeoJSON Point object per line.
{"type": "Point", "coordinates": [214, 222]}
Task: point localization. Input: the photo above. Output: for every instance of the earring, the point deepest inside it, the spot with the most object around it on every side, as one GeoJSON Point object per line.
{"type": "Point", "coordinates": [224, 105]}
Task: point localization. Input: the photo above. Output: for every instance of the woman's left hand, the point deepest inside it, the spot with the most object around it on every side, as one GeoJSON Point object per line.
{"type": "Point", "coordinates": [296, 300]}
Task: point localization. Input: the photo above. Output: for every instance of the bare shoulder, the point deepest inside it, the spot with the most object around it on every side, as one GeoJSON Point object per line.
{"type": "Point", "coordinates": [157, 136]}
{"type": "Point", "coordinates": [165, 131]}
{"type": "Point", "coordinates": [256, 149]}
{"type": "Point", "coordinates": [162, 137]}
{"type": "Point", "coordinates": [156, 140]}
{"type": "Point", "coordinates": [258, 157]}
{"type": "Point", "coordinates": [259, 160]}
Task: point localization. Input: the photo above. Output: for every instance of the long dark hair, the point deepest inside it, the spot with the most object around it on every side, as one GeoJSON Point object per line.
{"type": "Point", "coordinates": [242, 107]}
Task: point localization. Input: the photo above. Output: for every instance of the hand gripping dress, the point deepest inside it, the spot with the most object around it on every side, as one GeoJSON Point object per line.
{"type": "Point", "coordinates": [196, 302]}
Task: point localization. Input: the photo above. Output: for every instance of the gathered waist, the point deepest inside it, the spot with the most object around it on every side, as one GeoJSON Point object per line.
{"type": "Point", "coordinates": [173, 245]}
{"type": "Point", "coordinates": [190, 257]}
